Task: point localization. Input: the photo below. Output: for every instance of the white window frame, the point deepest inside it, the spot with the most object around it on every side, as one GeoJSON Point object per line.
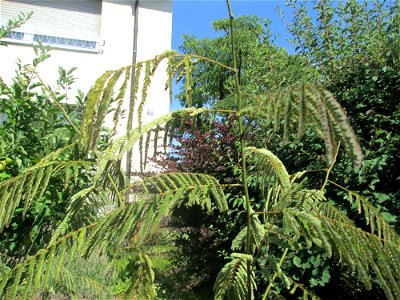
{"type": "Point", "coordinates": [36, 29]}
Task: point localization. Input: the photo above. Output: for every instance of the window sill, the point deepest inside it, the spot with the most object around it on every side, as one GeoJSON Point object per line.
{"type": "Point", "coordinates": [18, 38]}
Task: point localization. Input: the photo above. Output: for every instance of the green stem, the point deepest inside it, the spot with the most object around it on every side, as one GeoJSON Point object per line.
{"type": "Point", "coordinates": [223, 111]}
{"type": "Point", "coordinates": [275, 274]}
{"type": "Point", "coordinates": [242, 147]}
{"type": "Point", "coordinates": [51, 93]}
{"type": "Point", "coordinates": [266, 213]}
{"type": "Point", "coordinates": [330, 168]}
{"type": "Point", "coordinates": [117, 192]}
{"type": "Point", "coordinates": [214, 62]}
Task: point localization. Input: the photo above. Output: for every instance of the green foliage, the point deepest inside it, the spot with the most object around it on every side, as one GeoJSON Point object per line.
{"type": "Point", "coordinates": [33, 128]}
{"type": "Point", "coordinates": [143, 286]}
{"type": "Point", "coordinates": [26, 109]}
{"type": "Point", "coordinates": [269, 165]}
{"type": "Point", "coordinates": [232, 280]}
{"type": "Point", "coordinates": [308, 221]}
{"type": "Point", "coordinates": [230, 104]}
{"type": "Point", "coordinates": [107, 216]}
{"type": "Point", "coordinates": [214, 82]}
{"type": "Point", "coordinates": [296, 107]}
{"type": "Point", "coordinates": [13, 24]}
{"type": "Point", "coordinates": [135, 222]}
{"type": "Point", "coordinates": [354, 45]}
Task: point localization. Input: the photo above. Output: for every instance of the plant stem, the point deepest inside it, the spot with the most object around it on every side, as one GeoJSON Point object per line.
{"type": "Point", "coordinates": [213, 61]}
{"type": "Point", "coordinates": [330, 168]}
{"type": "Point", "coordinates": [117, 192]}
{"type": "Point", "coordinates": [267, 213]}
{"type": "Point", "coordinates": [51, 94]}
{"type": "Point", "coordinates": [275, 274]}
{"type": "Point", "coordinates": [242, 146]}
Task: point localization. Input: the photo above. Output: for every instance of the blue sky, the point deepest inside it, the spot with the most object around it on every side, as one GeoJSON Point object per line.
{"type": "Point", "coordinates": [196, 16]}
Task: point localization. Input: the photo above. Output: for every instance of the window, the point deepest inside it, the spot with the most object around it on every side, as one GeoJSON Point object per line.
{"type": "Point", "coordinates": [63, 23]}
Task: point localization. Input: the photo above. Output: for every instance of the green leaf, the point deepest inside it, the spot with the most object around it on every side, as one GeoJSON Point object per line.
{"type": "Point", "coordinates": [297, 261]}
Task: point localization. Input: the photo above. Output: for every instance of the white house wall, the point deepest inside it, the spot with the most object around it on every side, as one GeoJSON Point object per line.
{"type": "Point", "coordinates": [117, 22]}
{"type": "Point", "coordinates": [117, 35]}
{"type": "Point", "coordinates": [153, 35]}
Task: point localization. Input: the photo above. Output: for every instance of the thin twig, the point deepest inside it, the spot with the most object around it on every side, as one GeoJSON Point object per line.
{"type": "Point", "coordinates": [54, 98]}
{"type": "Point", "coordinates": [242, 147]}
{"type": "Point", "coordinates": [119, 195]}
{"type": "Point", "coordinates": [213, 61]}
{"type": "Point", "coordinates": [330, 168]}
{"type": "Point", "coordinates": [275, 274]}
{"type": "Point", "coordinates": [266, 213]}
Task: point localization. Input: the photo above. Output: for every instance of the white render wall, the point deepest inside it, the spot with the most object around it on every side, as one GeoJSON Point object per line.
{"type": "Point", "coordinates": [117, 32]}
{"type": "Point", "coordinates": [155, 31]}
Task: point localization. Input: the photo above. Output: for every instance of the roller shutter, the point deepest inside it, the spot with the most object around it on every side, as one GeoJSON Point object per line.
{"type": "Point", "coordinates": [72, 19]}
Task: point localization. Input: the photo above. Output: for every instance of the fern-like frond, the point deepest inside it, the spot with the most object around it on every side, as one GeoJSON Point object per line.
{"type": "Point", "coordinates": [96, 96]}
{"type": "Point", "coordinates": [26, 186]}
{"type": "Point", "coordinates": [96, 200]}
{"type": "Point", "coordinates": [269, 164]}
{"type": "Point", "coordinates": [119, 100]}
{"type": "Point", "coordinates": [308, 106]}
{"type": "Point", "coordinates": [134, 221]}
{"type": "Point", "coordinates": [110, 232]}
{"type": "Point", "coordinates": [257, 235]}
{"type": "Point", "coordinates": [74, 206]}
{"type": "Point", "coordinates": [102, 95]}
{"type": "Point", "coordinates": [31, 184]}
{"type": "Point", "coordinates": [143, 282]}
{"type": "Point", "coordinates": [174, 189]}
{"type": "Point", "coordinates": [373, 217]}
{"type": "Point", "coordinates": [199, 188]}
{"type": "Point", "coordinates": [364, 253]}
{"type": "Point", "coordinates": [79, 285]}
{"type": "Point", "coordinates": [239, 241]}
{"type": "Point", "coordinates": [268, 169]}
{"type": "Point", "coordinates": [275, 235]}
{"type": "Point", "coordinates": [120, 146]}
{"type": "Point", "coordinates": [306, 226]}
{"type": "Point", "coordinates": [231, 282]}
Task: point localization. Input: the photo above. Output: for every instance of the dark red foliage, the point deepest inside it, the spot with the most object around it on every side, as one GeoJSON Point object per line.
{"type": "Point", "coordinates": [212, 150]}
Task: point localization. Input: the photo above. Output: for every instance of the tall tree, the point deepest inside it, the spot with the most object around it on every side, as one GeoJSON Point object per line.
{"type": "Point", "coordinates": [262, 65]}
{"type": "Point", "coordinates": [355, 47]}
